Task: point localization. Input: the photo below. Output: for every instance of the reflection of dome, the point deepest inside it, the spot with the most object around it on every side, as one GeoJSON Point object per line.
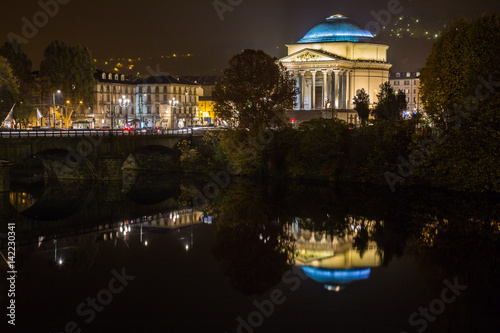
{"type": "Point", "coordinates": [336, 276]}
{"type": "Point", "coordinates": [337, 28]}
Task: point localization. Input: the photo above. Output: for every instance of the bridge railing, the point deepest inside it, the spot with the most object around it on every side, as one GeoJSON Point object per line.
{"type": "Point", "coordinates": [81, 133]}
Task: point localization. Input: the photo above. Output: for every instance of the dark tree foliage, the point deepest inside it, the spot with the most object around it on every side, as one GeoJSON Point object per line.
{"type": "Point", "coordinates": [391, 103]}
{"type": "Point", "coordinates": [71, 70]}
{"type": "Point", "coordinates": [466, 52]}
{"type": "Point", "coordinates": [21, 65]}
{"type": "Point", "coordinates": [362, 105]}
{"type": "Point", "coordinates": [9, 87]}
{"type": "Point", "coordinates": [254, 92]}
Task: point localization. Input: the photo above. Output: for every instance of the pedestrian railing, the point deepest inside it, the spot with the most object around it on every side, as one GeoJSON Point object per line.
{"type": "Point", "coordinates": [84, 132]}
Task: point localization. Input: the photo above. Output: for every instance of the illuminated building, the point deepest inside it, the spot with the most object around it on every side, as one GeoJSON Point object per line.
{"type": "Point", "coordinates": [331, 63]}
{"type": "Point", "coordinates": [409, 83]}
{"type": "Point", "coordinates": [108, 89]}
{"type": "Point", "coordinates": [167, 101]}
{"type": "Point", "coordinates": [206, 104]}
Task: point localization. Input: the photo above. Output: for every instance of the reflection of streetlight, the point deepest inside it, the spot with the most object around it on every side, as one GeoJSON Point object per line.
{"type": "Point", "coordinates": [54, 109]}
{"type": "Point", "coordinates": [122, 102]}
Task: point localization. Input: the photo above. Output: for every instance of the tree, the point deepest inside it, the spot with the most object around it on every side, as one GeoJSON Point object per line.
{"type": "Point", "coordinates": [21, 66]}
{"type": "Point", "coordinates": [362, 105]}
{"type": "Point", "coordinates": [254, 92]}
{"type": "Point", "coordinates": [69, 69]}
{"type": "Point", "coordinates": [9, 87]}
{"type": "Point", "coordinates": [390, 104]}
{"type": "Point", "coordinates": [466, 51]}
{"type": "Point", "coordinates": [460, 93]}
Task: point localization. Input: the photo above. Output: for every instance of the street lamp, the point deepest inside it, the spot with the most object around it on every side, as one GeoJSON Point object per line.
{"type": "Point", "coordinates": [173, 103]}
{"type": "Point", "coordinates": [140, 102]}
{"type": "Point", "coordinates": [122, 102]}
{"type": "Point", "coordinates": [54, 109]}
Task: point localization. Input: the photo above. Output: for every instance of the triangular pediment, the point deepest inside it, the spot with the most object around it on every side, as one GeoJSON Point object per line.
{"type": "Point", "coordinates": [310, 55]}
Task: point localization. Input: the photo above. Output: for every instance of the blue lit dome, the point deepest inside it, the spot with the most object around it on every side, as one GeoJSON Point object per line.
{"type": "Point", "coordinates": [337, 28]}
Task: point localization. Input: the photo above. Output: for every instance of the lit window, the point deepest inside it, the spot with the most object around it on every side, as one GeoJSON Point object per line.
{"type": "Point", "coordinates": [110, 76]}
{"type": "Point", "coordinates": [408, 74]}
{"type": "Point", "coordinates": [123, 77]}
{"type": "Point", "coordinates": [104, 76]}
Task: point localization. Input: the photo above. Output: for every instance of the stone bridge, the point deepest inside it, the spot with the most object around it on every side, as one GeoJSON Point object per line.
{"type": "Point", "coordinates": [89, 157]}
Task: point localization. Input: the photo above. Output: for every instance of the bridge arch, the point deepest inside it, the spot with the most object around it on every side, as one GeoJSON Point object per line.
{"type": "Point", "coordinates": [152, 157]}
{"type": "Point", "coordinates": [57, 164]}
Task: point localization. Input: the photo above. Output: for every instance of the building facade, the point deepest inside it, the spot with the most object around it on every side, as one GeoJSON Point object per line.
{"type": "Point", "coordinates": [167, 101]}
{"type": "Point", "coordinates": [409, 83]}
{"type": "Point", "coordinates": [163, 101]}
{"type": "Point", "coordinates": [206, 103]}
{"type": "Point", "coordinates": [109, 88]}
{"type": "Point", "coordinates": [332, 62]}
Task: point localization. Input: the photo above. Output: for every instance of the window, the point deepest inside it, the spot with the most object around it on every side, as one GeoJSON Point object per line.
{"type": "Point", "coordinates": [415, 82]}
{"type": "Point", "coordinates": [110, 76]}
{"type": "Point", "coordinates": [396, 83]}
{"type": "Point", "coordinates": [123, 77]}
{"type": "Point", "coordinates": [149, 109]}
{"type": "Point", "coordinates": [418, 74]}
{"type": "Point", "coordinates": [414, 99]}
{"type": "Point", "coordinates": [408, 74]}
{"type": "Point", "coordinates": [104, 76]}
{"type": "Point", "coordinates": [407, 91]}
{"type": "Point", "coordinates": [407, 83]}
{"type": "Point", "coordinates": [165, 98]}
{"type": "Point", "coordinates": [398, 74]}
{"type": "Point", "coordinates": [414, 91]}
{"type": "Point", "coordinates": [157, 110]}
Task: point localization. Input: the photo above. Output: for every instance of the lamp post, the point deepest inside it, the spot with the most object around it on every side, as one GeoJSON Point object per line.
{"type": "Point", "coordinates": [185, 105]}
{"type": "Point", "coordinates": [122, 102]}
{"type": "Point", "coordinates": [54, 108]}
{"type": "Point", "coordinates": [173, 103]}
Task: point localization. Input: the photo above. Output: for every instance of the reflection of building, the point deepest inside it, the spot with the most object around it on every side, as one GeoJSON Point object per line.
{"type": "Point", "coordinates": [334, 260]}
{"type": "Point", "coordinates": [409, 83]}
{"type": "Point", "coordinates": [21, 200]}
{"type": "Point", "coordinates": [331, 63]}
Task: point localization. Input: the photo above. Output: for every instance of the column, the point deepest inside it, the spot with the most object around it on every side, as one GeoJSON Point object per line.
{"type": "Point", "coordinates": [325, 88]}
{"type": "Point", "coordinates": [296, 76]}
{"type": "Point", "coordinates": [349, 94]}
{"type": "Point", "coordinates": [313, 94]}
{"type": "Point", "coordinates": [330, 85]}
{"type": "Point", "coordinates": [351, 85]}
{"type": "Point", "coordinates": [302, 83]}
{"type": "Point", "coordinates": [335, 100]}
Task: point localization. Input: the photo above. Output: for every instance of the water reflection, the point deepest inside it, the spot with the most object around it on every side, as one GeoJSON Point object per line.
{"type": "Point", "coordinates": [333, 260]}
{"type": "Point", "coordinates": [343, 238]}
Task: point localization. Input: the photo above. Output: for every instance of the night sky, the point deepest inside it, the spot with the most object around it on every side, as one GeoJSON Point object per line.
{"type": "Point", "coordinates": [150, 29]}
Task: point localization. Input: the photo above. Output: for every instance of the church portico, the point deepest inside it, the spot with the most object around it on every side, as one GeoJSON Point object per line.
{"type": "Point", "coordinates": [332, 62]}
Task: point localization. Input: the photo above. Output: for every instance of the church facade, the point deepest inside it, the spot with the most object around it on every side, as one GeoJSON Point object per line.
{"type": "Point", "coordinates": [331, 63]}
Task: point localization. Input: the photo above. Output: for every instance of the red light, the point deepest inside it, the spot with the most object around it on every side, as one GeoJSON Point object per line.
{"type": "Point", "coordinates": [292, 121]}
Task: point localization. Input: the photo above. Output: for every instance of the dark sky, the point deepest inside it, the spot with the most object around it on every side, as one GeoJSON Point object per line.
{"type": "Point", "coordinates": [152, 28]}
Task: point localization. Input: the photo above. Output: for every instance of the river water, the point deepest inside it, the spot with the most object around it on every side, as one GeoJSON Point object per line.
{"type": "Point", "coordinates": [137, 256]}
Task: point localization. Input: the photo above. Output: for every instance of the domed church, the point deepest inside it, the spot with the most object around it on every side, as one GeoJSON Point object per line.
{"type": "Point", "coordinates": [332, 62]}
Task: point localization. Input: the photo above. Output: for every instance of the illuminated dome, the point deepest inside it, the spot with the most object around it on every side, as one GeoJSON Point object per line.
{"type": "Point", "coordinates": [336, 28]}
